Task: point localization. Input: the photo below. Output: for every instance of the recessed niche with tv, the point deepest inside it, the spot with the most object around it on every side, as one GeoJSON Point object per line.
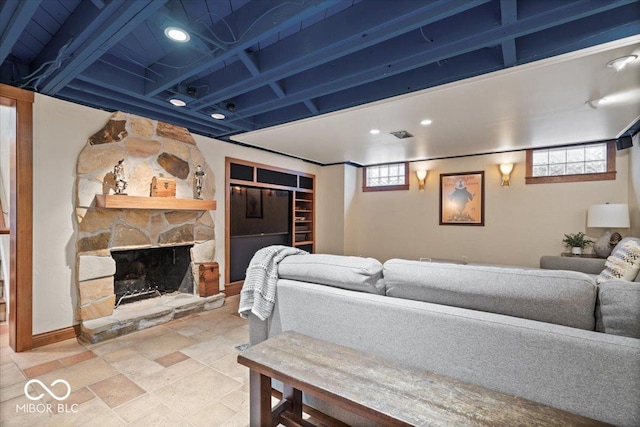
{"type": "Point", "coordinates": [262, 217]}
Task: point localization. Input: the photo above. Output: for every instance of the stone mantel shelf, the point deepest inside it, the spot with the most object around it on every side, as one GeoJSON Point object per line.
{"type": "Point", "coordinates": [113, 201]}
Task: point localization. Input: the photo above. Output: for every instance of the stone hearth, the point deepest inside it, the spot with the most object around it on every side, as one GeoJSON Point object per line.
{"type": "Point", "coordinates": [149, 149]}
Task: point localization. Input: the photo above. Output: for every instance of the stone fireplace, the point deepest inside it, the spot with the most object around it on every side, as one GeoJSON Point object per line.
{"type": "Point", "coordinates": [132, 251]}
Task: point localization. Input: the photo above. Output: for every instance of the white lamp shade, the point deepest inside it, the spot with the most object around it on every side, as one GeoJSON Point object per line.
{"type": "Point", "coordinates": [609, 215]}
{"type": "Point", "coordinates": [506, 168]}
{"type": "Point", "coordinates": [422, 174]}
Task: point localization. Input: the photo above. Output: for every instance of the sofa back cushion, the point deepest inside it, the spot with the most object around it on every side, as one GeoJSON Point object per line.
{"type": "Point", "coordinates": [561, 297]}
{"type": "Point", "coordinates": [346, 272]}
{"type": "Point", "coordinates": [618, 308]}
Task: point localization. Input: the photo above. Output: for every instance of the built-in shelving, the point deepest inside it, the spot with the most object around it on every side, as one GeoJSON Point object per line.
{"type": "Point", "coordinates": [303, 218]}
{"type": "Point", "coordinates": [119, 201]}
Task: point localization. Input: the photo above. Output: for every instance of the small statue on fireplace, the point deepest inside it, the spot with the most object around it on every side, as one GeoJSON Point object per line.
{"type": "Point", "coordinates": [199, 174]}
{"type": "Point", "coordinates": [118, 174]}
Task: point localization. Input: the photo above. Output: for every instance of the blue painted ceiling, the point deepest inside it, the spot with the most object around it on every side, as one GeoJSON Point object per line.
{"type": "Point", "coordinates": [263, 63]}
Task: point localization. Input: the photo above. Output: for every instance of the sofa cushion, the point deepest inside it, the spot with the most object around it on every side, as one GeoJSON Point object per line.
{"type": "Point", "coordinates": [623, 263]}
{"type": "Point", "coordinates": [618, 309]}
{"type": "Point", "coordinates": [353, 273]}
{"type": "Point", "coordinates": [553, 296]}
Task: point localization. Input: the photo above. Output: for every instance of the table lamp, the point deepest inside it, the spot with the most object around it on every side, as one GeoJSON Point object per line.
{"type": "Point", "coordinates": [607, 216]}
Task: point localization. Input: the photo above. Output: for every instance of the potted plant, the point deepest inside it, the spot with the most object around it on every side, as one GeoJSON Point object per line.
{"type": "Point", "coordinates": [576, 242]}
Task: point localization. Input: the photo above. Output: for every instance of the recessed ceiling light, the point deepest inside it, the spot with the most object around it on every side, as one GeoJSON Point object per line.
{"type": "Point", "coordinates": [426, 122]}
{"type": "Point", "coordinates": [177, 102]}
{"type": "Point", "coordinates": [620, 63]}
{"type": "Point", "coordinates": [374, 131]}
{"type": "Point", "coordinates": [218, 116]}
{"type": "Point", "coordinates": [177, 34]}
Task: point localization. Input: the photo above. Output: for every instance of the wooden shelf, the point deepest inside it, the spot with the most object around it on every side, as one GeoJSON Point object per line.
{"type": "Point", "coordinates": [113, 201]}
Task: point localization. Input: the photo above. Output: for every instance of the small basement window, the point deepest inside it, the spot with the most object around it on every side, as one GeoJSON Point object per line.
{"type": "Point", "coordinates": [390, 176]}
{"type": "Point", "coordinates": [574, 163]}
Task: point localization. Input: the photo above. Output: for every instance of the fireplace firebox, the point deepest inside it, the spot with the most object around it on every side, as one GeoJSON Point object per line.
{"type": "Point", "coordinates": [145, 273]}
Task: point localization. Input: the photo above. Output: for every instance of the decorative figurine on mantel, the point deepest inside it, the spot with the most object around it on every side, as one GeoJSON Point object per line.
{"type": "Point", "coordinates": [199, 174]}
{"type": "Point", "coordinates": [121, 182]}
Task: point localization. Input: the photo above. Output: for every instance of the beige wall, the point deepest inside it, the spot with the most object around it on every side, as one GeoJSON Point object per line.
{"type": "Point", "coordinates": [522, 222]}
{"type": "Point", "coordinates": [61, 130]}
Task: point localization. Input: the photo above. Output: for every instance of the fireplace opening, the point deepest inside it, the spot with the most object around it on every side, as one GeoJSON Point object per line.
{"type": "Point", "coordinates": [147, 273]}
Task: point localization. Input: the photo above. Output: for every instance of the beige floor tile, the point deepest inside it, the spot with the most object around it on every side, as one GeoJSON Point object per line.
{"type": "Point", "coordinates": [240, 334]}
{"type": "Point", "coordinates": [82, 374]}
{"type": "Point", "coordinates": [179, 396]}
{"type": "Point", "coordinates": [92, 413]}
{"type": "Point", "coordinates": [12, 391]}
{"type": "Point", "coordinates": [111, 346]}
{"type": "Point", "coordinates": [238, 420]}
{"type": "Point", "coordinates": [119, 354]}
{"type": "Point", "coordinates": [10, 374]}
{"type": "Point", "coordinates": [211, 415]}
{"type": "Point", "coordinates": [117, 390]}
{"type": "Point", "coordinates": [168, 375]}
{"type": "Point", "coordinates": [139, 407]}
{"type": "Point", "coordinates": [211, 350]}
{"type": "Point", "coordinates": [155, 347]}
{"type": "Point", "coordinates": [14, 413]}
{"type": "Point", "coordinates": [136, 366]}
{"type": "Point", "coordinates": [47, 353]}
{"type": "Point", "coordinates": [238, 400]}
{"type": "Point", "coordinates": [229, 366]}
{"type": "Point", "coordinates": [161, 417]}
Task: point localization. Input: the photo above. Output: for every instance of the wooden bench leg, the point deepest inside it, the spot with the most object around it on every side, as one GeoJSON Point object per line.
{"type": "Point", "coordinates": [295, 396]}
{"type": "Point", "coordinates": [259, 399]}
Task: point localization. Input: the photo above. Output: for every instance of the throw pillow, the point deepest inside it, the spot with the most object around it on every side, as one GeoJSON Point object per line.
{"type": "Point", "coordinates": [624, 264]}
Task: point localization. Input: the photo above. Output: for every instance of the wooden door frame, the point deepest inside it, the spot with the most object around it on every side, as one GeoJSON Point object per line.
{"type": "Point", "coordinates": [21, 218]}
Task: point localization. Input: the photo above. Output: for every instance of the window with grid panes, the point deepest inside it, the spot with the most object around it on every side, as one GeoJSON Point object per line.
{"type": "Point", "coordinates": [585, 162]}
{"type": "Point", "coordinates": [390, 176]}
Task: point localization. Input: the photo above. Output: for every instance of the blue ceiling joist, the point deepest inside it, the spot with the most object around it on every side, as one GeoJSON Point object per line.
{"type": "Point", "coordinates": [288, 14]}
{"type": "Point", "coordinates": [362, 26]}
{"type": "Point", "coordinates": [394, 59]}
{"type": "Point", "coordinates": [14, 17]}
{"type": "Point", "coordinates": [266, 62]}
{"type": "Point", "coordinates": [124, 19]}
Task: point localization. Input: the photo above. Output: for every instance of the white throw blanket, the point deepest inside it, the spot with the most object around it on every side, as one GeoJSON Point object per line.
{"type": "Point", "coordinates": [259, 289]}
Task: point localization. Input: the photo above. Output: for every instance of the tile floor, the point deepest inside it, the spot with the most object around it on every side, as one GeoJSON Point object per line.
{"type": "Point", "coordinates": [183, 373]}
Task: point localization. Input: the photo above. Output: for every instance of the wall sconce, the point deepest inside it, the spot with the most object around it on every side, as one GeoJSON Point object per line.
{"type": "Point", "coordinates": [422, 176]}
{"type": "Point", "coordinates": [505, 170]}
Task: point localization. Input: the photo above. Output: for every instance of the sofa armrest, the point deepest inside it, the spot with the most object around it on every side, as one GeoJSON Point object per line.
{"type": "Point", "coordinates": [584, 265]}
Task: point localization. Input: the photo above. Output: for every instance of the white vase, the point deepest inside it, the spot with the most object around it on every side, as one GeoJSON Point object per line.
{"type": "Point", "coordinates": [576, 251]}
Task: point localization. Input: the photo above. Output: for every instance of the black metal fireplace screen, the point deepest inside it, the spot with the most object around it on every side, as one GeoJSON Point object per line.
{"type": "Point", "coordinates": [145, 273]}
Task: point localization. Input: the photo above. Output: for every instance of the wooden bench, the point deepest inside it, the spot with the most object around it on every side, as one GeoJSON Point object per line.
{"type": "Point", "coordinates": [383, 391]}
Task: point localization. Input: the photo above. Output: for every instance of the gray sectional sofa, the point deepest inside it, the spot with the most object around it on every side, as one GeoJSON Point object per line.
{"type": "Point", "coordinates": [526, 332]}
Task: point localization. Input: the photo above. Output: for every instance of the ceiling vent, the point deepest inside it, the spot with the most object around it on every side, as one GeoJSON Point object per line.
{"type": "Point", "coordinates": [401, 134]}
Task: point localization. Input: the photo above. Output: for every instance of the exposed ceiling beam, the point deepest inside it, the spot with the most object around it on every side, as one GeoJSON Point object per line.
{"type": "Point", "coordinates": [99, 39]}
{"type": "Point", "coordinates": [14, 17]}
{"type": "Point", "coordinates": [468, 37]}
{"type": "Point", "coordinates": [113, 75]}
{"type": "Point", "coordinates": [361, 26]}
{"type": "Point", "coordinates": [509, 15]}
{"type": "Point", "coordinates": [110, 104]}
{"type": "Point", "coordinates": [287, 14]}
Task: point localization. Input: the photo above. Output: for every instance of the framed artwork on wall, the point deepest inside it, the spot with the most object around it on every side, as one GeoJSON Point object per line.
{"type": "Point", "coordinates": [254, 203]}
{"type": "Point", "coordinates": [462, 198]}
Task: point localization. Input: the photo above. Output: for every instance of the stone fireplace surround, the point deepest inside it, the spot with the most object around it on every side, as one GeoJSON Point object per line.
{"type": "Point", "coordinates": [149, 148]}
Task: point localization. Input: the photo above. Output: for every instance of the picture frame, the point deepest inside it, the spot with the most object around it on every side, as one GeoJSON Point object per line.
{"type": "Point", "coordinates": [462, 198]}
{"type": "Point", "coordinates": [253, 203]}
